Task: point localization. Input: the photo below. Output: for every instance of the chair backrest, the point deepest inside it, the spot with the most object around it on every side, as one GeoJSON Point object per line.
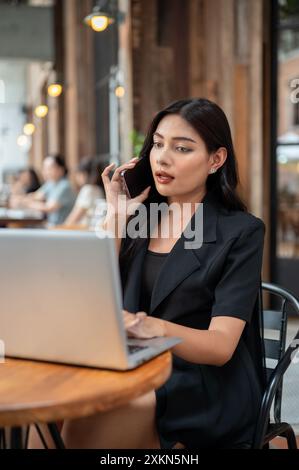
{"type": "Point", "coordinates": [275, 331]}
{"type": "Point", "coordinates": [274, 320]}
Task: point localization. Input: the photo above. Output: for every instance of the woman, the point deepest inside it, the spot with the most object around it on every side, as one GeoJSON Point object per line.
{"type": "Point", "coordinates": [27, 182]}
{"type": "Point", "coordinates": [55, 198]}
{"type": "Point", "coordinates": [88, 179]}
{"type": "Point", "coordinates": [205, 295]}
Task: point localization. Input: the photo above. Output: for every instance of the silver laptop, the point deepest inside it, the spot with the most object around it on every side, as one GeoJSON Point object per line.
{"type": "Point", "coordinates": [60, 301]}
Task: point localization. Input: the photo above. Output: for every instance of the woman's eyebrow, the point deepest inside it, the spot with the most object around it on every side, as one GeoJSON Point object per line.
{"type": "Point", "coordinates": [176, 138]}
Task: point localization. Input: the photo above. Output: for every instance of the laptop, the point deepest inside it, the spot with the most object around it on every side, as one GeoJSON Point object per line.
{"type": "Point", "coordinates": [61, 301]}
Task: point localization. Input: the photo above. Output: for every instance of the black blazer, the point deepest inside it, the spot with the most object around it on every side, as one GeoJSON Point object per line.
{"type": "Point", "coordinates": [222, 278]}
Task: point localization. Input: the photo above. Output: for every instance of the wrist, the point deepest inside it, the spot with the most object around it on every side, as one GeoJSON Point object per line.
{"type": "Point", "coordinates": [162, 327]}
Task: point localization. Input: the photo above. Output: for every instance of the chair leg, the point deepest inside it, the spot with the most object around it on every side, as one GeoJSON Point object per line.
{"type": "Point", "coordinates": [290, 437]}
{"type": "Point", "coordinates": [26, 437]}
{"type": "Point", "coordinates": [41, 436]}
{"type": "Point", "coordinates": [16, 438]}
{"type": "Point", "coordinates": [2, 439]}
{"type": "Point", "coordinates": [56, 436]}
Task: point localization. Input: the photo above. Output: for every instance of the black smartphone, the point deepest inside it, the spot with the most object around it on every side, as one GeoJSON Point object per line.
{"type": "Point", "coordinates": [137, 179]}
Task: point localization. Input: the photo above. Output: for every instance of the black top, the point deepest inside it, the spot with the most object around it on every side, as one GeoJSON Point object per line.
{"type": "Point", "coordinates": [152, 265]}
{"type": "Point", "coordinates": [205, 405]}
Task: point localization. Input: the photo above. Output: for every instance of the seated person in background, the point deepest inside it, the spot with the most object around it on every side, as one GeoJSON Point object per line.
{"type": "Point", "coordinates": [55, 198]}
{"type": "Point", "coordinates": [26, 182]}
{"type": "Point", "coordinates": [88, 178]}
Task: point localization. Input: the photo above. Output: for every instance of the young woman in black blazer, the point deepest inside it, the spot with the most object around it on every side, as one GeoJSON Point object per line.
{"type": "Point", "coordinates": [205, 295]}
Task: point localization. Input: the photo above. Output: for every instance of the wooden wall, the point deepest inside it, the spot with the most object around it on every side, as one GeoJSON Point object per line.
{"type": "Point", "coordinates": [79, 109]}
{"type": "Point", "coordinates": [160, 56]}
{"type": "Point", "coordinates": [217, 49]}
{"type": "Point", "coordinates": [211, 48]}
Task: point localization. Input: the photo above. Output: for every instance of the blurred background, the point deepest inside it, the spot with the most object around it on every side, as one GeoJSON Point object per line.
{"type": "Point", "coordinates": [84, 77]}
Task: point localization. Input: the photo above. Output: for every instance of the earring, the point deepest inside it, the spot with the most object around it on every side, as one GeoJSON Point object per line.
{"type": "Point", "coordinates": [212, 170]}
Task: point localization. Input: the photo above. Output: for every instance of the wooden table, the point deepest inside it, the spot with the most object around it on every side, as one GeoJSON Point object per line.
{"type": "Point", "coordinates": [40, 392]}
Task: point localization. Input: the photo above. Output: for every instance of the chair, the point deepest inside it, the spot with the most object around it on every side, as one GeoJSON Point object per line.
{"type": "Point", "coordinates": [276, 320]}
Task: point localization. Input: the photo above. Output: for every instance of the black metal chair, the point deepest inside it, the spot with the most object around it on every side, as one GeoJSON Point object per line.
{"type": "Point", "coordinates": [274, 349]}
{"type": "Point", "coordinates": [18, 437]}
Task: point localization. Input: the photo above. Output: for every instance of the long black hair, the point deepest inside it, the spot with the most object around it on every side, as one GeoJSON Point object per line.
{"type": "Point", "coordinates": [34, 182]}
{"type": "Point", "coordinates": [210, 122]}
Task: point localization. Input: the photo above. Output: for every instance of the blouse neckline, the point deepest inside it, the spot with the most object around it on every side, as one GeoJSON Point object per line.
{"type": "Point", "coordinates": [155, 253]}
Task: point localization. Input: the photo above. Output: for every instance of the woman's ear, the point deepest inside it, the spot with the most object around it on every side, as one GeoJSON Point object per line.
{"type": "Point", "coordinates": [219, 158]}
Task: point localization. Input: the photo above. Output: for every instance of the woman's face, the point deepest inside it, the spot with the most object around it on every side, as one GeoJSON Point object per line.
{"type": "Point", "coordinates": [25, 178]}
{"type": "Point", "coordinates": [179, 160]}
{"type": "Point", "coordinates": [51, 171]}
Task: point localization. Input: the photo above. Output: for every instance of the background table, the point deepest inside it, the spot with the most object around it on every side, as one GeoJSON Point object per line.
{"type": "Point", "coordinates": [15, 218]}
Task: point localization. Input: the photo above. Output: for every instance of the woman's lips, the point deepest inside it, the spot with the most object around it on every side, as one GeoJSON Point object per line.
{"type": "Point", "coordinates": [164, 178]}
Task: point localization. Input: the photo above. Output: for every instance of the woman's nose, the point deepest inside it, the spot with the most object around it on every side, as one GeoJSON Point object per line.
{"type": "Point", "coordinates": [164, 158]}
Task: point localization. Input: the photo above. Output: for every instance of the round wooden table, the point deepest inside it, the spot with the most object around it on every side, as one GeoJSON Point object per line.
{"type": "Point", "coordinates": [40, 392]}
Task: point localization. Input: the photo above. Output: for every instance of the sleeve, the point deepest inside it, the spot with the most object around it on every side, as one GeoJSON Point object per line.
{"type": "Point", "coordinates": [236, 292]}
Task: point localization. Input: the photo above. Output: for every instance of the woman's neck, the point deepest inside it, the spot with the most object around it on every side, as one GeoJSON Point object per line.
{"type": "Point", "coordinates": [192, 199]}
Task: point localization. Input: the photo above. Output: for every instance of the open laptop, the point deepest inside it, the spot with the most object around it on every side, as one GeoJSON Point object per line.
{"type": "Point", "coordinates": [61, 301]}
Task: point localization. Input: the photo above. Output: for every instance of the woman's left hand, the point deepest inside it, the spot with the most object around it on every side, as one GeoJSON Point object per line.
{"type": "Point", "coordinates": [139, 325]}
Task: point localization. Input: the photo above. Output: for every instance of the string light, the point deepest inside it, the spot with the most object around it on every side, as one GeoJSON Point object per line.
{"type": "Point", "coordinates": [54, 90]}
{"type": "Point", "coordinates": [41, 111]}
{"type": "Point", "coordinates": [119, 91]}
{"type": "Point", "coordinates": [29, 128]}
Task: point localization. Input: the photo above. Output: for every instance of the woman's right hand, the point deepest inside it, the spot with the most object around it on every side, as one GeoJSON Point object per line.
{"type": "Point", "coordinates": [114, 189]}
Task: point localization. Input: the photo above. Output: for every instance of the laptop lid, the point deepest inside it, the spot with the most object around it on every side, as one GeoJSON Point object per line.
{"type": "Point", "coordinates": [61, 298]}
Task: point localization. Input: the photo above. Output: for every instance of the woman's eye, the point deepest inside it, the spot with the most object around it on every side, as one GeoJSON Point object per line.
{"type": "Point", "coordinates": [183, 149]}
{"type": "Point", "coordinates": [157, 144]}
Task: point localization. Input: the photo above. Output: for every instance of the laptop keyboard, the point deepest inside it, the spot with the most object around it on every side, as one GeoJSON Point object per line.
{"type": "Point", "coordinates": [134, 349]}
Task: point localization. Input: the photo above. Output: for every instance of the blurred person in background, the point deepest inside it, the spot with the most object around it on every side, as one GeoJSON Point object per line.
{"type": "Point", "coordinates": [88, 178]}
{"type": "Point", "coordinates": [26, 182]}
{"type": "Point", "coordinates": [55, 198]}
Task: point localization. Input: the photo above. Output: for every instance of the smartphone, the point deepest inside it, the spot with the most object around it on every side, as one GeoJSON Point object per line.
{"type": "Point", "coordinates": [137, 179]}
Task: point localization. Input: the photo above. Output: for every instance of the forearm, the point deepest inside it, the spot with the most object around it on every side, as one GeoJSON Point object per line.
{"type": "Point", "coordinates": [36, 196]}
{"type": "Point", "coordinates": [75, 216]}
{"type": "Point", "coordinates": [199, 346]}
{"type": "Point", "coordinates": [42, 206]}
{"type": "Point", "coordinates": [38, 206]}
